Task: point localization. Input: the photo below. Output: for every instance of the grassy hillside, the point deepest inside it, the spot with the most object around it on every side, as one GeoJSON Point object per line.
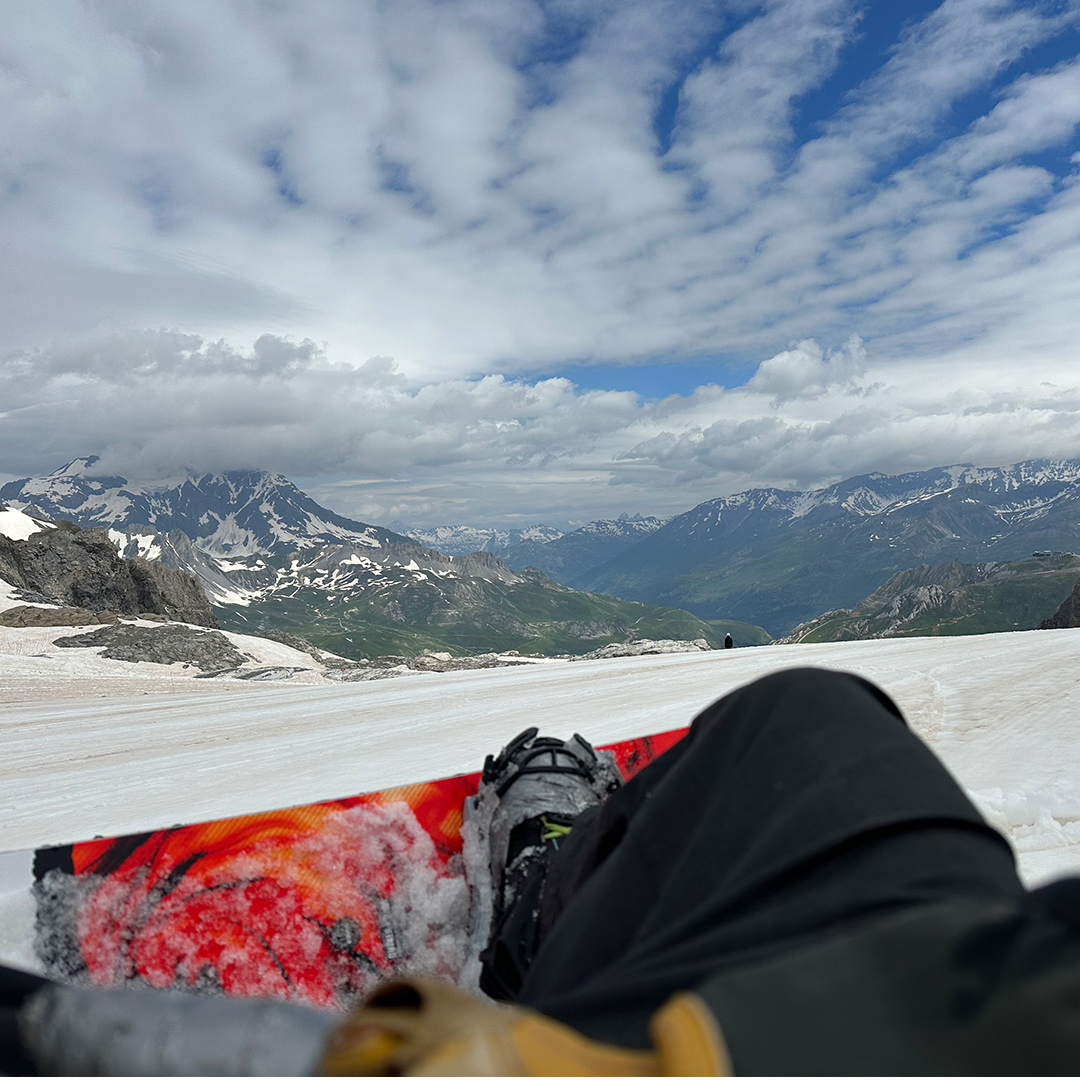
{"type": "Point", "coordinates": [953, 598]}
{"type": "Point", "coordinates": [535, 616]}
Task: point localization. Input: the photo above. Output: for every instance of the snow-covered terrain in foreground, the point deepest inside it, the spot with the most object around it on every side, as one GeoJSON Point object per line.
{"type": "Point", "coordinates": [1002, 710]}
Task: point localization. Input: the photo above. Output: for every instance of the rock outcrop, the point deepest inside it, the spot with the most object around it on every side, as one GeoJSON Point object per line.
{"type": "Point", "coordinates": [208, 650]}
{"type": "Point", "coordinates": [1068, 615]}
{"type": "Point", "coordinates": [645, 648]}
{"type": "Point", "coordinates": [390, 667]}
{"type": "Point", "coordinates": [27, 615]}
{"type": "Point", "coordinates": [80, 568]}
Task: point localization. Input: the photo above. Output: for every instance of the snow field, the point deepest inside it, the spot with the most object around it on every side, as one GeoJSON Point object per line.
{"type": "Point", "coordinates": [32, 668]}
{"type": "Point", "coordinates": [1002, 711]}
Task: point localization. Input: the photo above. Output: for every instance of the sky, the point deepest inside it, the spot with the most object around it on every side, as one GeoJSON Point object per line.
{"type": "Point", "coordinates": [511, 261]}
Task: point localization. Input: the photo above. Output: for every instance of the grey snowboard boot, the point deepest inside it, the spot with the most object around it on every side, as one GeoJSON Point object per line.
{"type": "Point", "coordinates": [528, 798]}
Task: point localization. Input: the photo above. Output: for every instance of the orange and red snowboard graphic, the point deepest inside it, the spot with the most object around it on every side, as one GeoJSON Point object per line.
{"type": "Point", "coordinates": [313, 903]}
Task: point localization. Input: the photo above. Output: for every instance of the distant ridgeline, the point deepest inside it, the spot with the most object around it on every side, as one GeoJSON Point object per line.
{"type": "Point", "coordinates": [271, 559]}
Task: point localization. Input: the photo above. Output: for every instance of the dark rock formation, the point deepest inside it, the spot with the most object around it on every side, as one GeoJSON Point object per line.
{"type": "Point", "coordinates": [80, 568]}
{"type": "Point", "coordinates": [1067, 615]}
{"type": "Point", "coordinates": [209, 650]}
{"type": "Point", "coordinates": [172, 593]}
{"type": "Point", "coordinates": [294, 641]}
{"type": "Point", "coordinates": [25, 615]}
{"type": "Point", "coordinates": [645, 648]}
{"type": "Point", "coordinates": [262, 674]}
{"type": "Point", "coordinates": [390, 667]}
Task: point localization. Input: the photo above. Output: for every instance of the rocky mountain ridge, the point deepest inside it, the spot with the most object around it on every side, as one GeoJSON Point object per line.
{"type": "Point", "coordinates": [465, 539]}
{"type": "Point", "coordinates": [1067, 615]}
{"type": "Point", "coordinates": [80, 568]}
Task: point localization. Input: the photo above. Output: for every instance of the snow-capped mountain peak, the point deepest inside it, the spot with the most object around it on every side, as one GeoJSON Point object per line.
{"type": "Point", "coordinates": [235, 513]}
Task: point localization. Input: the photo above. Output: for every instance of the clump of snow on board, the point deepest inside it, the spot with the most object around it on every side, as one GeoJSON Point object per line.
{"type": "Point", "coordinates": [258, 928]}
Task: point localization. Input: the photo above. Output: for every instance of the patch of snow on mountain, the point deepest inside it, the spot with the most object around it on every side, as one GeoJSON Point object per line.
{"type": "Point", "coordinates": [543, 534]}
{"type": "Point", "coordinates": [9, 598]}
{"type": "Point", "coordinates": [229, 538]}
{"type": "Point", "coordinates": [219, 594]}
{"type": "Point", "coordinates": [866, 502]}
{"type": "Point", "coordinates": [922, 496]}
{"type": "Point", "coordinates": [49, 485]}
{"type": "Point", "coordinates": [76, 467]}
{"type": "Point", "coordinates": [136, 545]}
{"type": "Point", "coordinates": [622, 527]}
{"type": "Point", "coordinates": [229, 566]}
{"type": "Point", "coordinates": [466, 539]}
{"type": "Point", "coordinates": [16, 525]}
{"type": "Point", "coordinates": [802, 502]}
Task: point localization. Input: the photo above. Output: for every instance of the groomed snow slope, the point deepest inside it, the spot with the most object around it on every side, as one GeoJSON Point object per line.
{"type": "Point", "coordinates": [1002, 710]}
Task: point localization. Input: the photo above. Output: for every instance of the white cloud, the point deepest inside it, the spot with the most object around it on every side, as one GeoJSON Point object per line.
{"type": "Point", "coordinates": [154, 402]}
{"type": "Point", "coordinates": [808, 371]}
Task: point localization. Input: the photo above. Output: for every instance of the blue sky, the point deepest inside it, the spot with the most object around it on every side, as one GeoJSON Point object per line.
{"type": "Point", "coordinates": [499, 261]}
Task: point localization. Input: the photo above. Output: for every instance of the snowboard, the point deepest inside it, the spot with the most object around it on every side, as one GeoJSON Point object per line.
{"type": "Point", "coordinates": [315, 903]}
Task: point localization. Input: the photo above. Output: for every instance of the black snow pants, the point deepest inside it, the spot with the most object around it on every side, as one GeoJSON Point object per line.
{"type": "Point", "coordinates": [798, 808]}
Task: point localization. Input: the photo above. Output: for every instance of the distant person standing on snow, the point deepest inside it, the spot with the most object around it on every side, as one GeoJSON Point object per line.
{"type": "Point", "coordinates": [728, 642]}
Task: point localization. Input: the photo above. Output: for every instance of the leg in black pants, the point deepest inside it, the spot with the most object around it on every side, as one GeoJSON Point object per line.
{"type": "Point", "coordinates": [797, 807]}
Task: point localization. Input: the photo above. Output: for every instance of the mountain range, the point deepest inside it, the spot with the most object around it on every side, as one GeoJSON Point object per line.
{"type": "Point", "coordinates": [563, 556]}
{"type": "Point", "coordinates": [572, 556]}
{"type": "Point", "coordinates": [779, 558]}
{"type": "Point", "coordinates": [232, 513]}
{"type": "Point", "coordinates": [271, 558]}
{"type": "Point", "coordinates": [764, 557]}
{"type": "Point", "coordinates": [465, 539]}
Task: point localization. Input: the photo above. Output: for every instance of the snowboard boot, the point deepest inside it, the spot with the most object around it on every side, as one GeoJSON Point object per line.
{"type": "Point", "coordinates": [528, 799]}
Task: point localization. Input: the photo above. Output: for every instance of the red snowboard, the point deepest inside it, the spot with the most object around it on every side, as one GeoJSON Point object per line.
{"type": "Point", "coordinates": [315, 903]}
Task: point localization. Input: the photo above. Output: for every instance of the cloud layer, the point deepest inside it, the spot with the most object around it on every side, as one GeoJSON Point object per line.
{"type": "Point", "coordinates": [494, 449]}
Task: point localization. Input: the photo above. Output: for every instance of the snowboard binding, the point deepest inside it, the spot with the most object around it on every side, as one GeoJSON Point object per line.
{"type": "Point", "coordinates": [528, 798]}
